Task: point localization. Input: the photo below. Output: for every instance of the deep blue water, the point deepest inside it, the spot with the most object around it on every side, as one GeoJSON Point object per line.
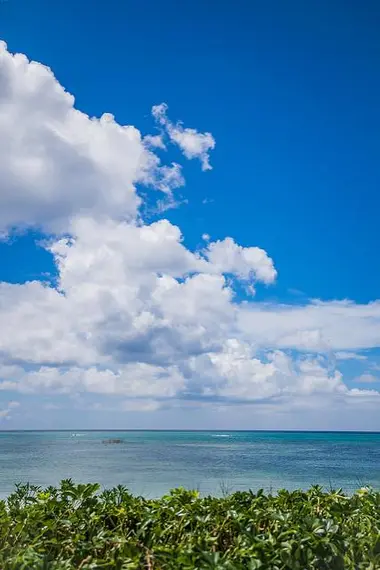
{"type": "Point", "coordinates": [152, 462]}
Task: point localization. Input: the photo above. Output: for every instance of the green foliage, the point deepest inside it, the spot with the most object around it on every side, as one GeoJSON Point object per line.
{"type": "Point", "coordinates": [79, 527]}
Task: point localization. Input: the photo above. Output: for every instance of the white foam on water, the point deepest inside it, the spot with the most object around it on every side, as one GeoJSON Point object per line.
{"type": "Point", "coordinates": [221, 435]}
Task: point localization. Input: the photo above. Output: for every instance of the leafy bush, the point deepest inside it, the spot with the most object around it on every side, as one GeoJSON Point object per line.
{"type": "Point", "coordinates": [76, 526]}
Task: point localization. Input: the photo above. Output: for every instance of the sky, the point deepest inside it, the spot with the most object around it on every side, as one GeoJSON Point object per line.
{"type": "Point", "coordinates": [189, 202]}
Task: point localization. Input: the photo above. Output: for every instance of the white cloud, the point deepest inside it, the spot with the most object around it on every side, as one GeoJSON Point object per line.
{"type": "Point", "coordinates": [192, 143]}
{"type": "Point", "coordinates": [346, 355]}
{"type": "Point", "coordinates": [57, 162]}
{"type": "Point", "coordinates": [235, 373]}
{"type": "Point", "coordinates": [244, 262]}
{"type": "Point", "coordinates": [367, 379]}
{"type": "Point", "coordinates": [136, 314]}
{"type": "Point", "coordinates": [124, 288]}
{"type": "Point", "coordinates": [137, 380]}
{"type": "Point", "coordinates": [154, 141]}
{"type": "Point", "coordinates": [318, 326]}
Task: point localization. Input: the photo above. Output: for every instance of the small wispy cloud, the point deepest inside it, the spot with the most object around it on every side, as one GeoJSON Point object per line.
{"type": "Point", "coordinates": [154, 141]}
{"type": "Point", "coordinates": [192, 143]}
{"type": "Point", "coordinates": [367, 379]}
{"type": "Point", "coordinates": [346, 355]}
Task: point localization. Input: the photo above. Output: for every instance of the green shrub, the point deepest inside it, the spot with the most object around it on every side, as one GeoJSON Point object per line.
{"type": "Point", "coordinates": [76, 526]}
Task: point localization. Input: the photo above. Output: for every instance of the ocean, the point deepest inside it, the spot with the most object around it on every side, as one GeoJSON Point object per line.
{"type": "Point", "coordinates": [150, 463]}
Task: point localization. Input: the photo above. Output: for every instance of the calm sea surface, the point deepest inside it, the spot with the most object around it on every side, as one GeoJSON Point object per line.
{"type": "Point", "coordinates": [152, 462]}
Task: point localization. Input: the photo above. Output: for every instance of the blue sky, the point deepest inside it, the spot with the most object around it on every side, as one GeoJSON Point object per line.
{"type": "Point", "coordinates": [289, 92]}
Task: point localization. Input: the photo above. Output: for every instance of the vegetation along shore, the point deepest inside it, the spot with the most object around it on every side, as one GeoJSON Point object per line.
{"type": "Point", "coordinates": [81, 527]}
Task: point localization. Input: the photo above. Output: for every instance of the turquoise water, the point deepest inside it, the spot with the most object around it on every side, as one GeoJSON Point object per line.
{"type": "Point", "coordinates": [152, 462]}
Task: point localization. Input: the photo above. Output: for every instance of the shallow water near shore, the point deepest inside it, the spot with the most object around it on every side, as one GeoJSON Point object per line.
{"type": "Point", "coordinates": [152, 462]}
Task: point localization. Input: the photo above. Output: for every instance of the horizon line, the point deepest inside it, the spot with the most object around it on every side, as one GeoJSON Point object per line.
{"type": "Point", "coordinates": [175, 430]}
